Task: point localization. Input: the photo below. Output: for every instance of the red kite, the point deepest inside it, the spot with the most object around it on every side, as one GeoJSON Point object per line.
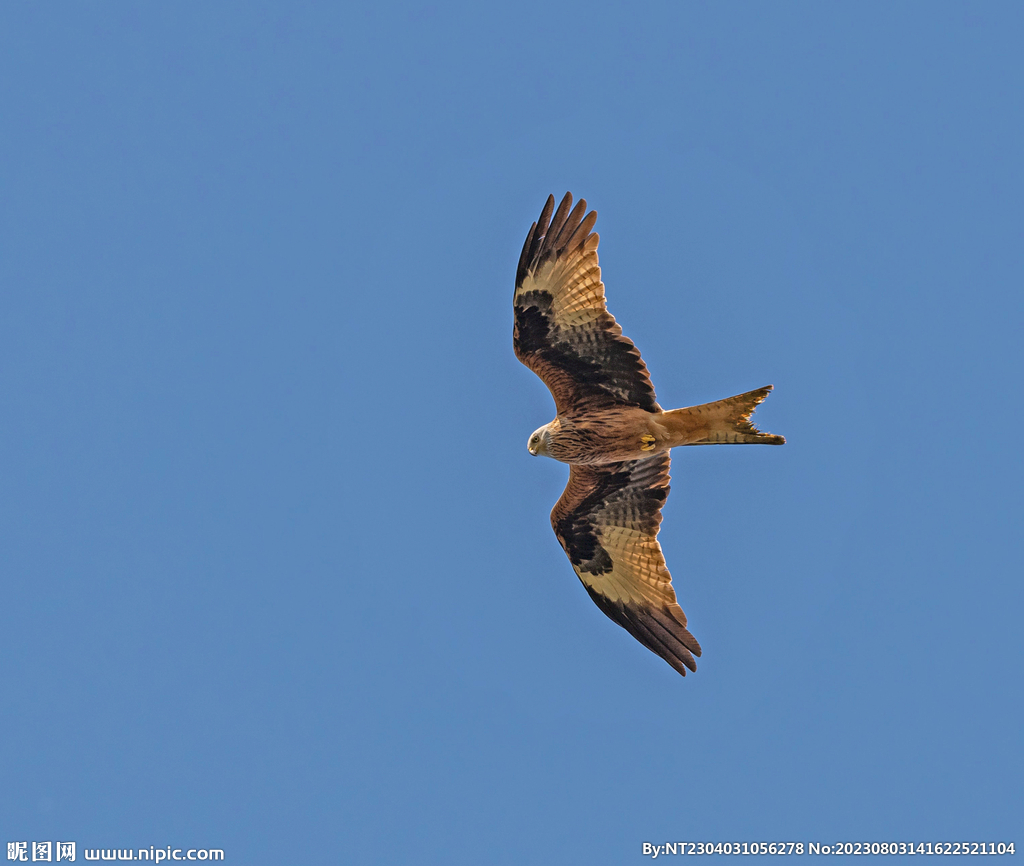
{"type": "Point", "coordinates": [610, 430]}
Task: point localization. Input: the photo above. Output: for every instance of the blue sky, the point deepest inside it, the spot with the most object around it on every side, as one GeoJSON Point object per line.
{"type": "Point", "coordinates": [278, 576]}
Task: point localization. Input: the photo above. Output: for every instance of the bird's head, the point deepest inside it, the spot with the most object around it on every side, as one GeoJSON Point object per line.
{"type": "Point", "coordinates": [539, 441]}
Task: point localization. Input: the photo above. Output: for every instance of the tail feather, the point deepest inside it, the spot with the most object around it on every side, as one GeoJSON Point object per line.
{"type": "Point", "coordinates": [724, 422]}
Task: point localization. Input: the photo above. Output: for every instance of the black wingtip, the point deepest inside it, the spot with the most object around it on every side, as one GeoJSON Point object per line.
{"type": "Point", "coordinates": [557, 230]}
{"type": "Point", "coordinates": [660, 630]}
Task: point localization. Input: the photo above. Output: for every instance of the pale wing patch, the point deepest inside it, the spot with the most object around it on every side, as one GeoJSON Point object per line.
{"type": "Point", "coordinates": [638, 572]}
{"type": "Point", "coordinates": [574, 283]}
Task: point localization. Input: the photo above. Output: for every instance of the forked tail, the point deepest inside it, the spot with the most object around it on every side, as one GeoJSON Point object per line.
{"type": "Point", "coordinates": [724, 422]}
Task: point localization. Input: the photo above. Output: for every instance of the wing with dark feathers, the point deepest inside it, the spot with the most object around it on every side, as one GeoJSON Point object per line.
{"type": "Point", "coordinates": [607, 521]}
{"type": "Point", "coordinates": [563, 330]}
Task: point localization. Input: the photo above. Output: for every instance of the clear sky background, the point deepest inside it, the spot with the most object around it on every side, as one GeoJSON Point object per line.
{"type": "Point", "coordinates": [277, 572]}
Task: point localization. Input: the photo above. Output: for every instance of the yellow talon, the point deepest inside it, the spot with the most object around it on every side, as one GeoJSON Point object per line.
{"type": "Point", "coordinates": [647, 442]}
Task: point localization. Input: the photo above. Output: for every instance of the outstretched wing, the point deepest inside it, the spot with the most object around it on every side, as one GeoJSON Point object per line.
{"type": "Point", "coordinates": [563, 331]}
{"type": "Point", "coordinates": [607, 520]}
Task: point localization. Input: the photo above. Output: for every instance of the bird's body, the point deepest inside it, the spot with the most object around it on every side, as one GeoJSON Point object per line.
{"type": "Point", "coordinates": [610, 430]}
{"type": "Point", "coordinates": [607, 435]}
{"type": "Point", "coordinates": [615, 433]}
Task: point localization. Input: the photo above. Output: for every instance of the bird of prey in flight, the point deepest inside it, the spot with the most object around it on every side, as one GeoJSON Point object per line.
{"type": "Point", "coordinates": [610, 430]}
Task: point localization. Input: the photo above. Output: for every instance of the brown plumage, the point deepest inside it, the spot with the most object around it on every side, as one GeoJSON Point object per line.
{"type": "Point", "coordinates": [611, 431]}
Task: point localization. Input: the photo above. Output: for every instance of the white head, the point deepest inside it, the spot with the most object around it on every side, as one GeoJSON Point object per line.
{"type": "Point", "coordinates": [539, 441]}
